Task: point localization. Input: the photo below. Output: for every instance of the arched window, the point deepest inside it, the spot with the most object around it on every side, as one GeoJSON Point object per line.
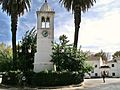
{"type": "Point", "coordinates": [47, 22]}
{"type": "Point", "coordinates": [43, 22]}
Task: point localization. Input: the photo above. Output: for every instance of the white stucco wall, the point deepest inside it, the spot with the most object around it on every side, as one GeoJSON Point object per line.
{"type": "Point", "coordinates": [110, 70]}
{"type": "Point", "coordinates": [42, 57]}
{"type": "Point", "coordinates": [118, 67]}
{"type": "Point", "coordinates": [96, 69]}
{"type": "Point", "coordinates": [113, 69]}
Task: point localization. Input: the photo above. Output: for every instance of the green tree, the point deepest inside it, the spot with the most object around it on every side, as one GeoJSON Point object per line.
{"type": "Point", "coordinates": [15, 8]}
{"type": "Point", "coordinates": [102, 55]}
{"type": "Point", "coordinates": [116, 54]}
{"type": "Point", "coordinates": [26, 50]}
{"type": "Point", "coordinates": [77, 6]}
{"type": "Point", "coordinates": [5, 57]}
{"type": "Point", "coordinates": [65, 57]}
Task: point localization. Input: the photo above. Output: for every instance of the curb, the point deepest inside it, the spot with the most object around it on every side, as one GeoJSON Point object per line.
{"type": "Point", "coordinates": [41, 88]}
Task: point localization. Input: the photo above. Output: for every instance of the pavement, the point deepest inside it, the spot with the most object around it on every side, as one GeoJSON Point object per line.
{"type": "Point", "coordinates": [97, 84]}
{"type": "Point", "coordinates": [88, 84]}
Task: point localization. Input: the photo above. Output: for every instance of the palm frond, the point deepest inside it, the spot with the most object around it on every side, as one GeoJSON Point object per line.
{"type": "Point", "coordinates": [83, 5]}
{"type": "Point", "coordinates": [17, 6]}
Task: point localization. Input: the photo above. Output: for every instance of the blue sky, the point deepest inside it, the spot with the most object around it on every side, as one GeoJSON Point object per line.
{"type": "Point", "coordinates": [100, 27]}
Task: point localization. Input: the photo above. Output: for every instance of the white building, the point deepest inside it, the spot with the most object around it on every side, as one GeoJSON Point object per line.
{"type": "Point", "coordinates": [112, 67]}
{"type": "Point", "coordinates": [45, 36]}
{"type": "Point", "coordinates": [115, 67]}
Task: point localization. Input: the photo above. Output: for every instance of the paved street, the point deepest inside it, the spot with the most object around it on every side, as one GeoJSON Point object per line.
{"type": "Point", "coordinates": [97, 84]}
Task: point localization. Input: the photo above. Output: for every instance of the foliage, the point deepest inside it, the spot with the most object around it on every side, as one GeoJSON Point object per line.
{"type": "Point", "coordinates": [67, 58]}
{"type": "Point", "coordinates": [56, 78]}
{"type": "Point", "coordinates": [102, 55]}
{"type": "Point", "coordinates": [5, 58]}
{"type": "Point", "coordinates": [26, 50]}
{"type": "Point", "coordinates": [77, 6]}
{"type": "Point", "coordinates": [25, 57]}
{"type": "Point", "coordinates": [49, 78]}
{"type": "Point", "coordinates": [14, 8]}
{"type": "Point", "coordinates": [87, 68]}
{"type": "Point", "coordinates": [72, 4]}
{"type": "Point", "coordinates": [116, 54]}
{"type": "Point", "coordinates": [12, 78]}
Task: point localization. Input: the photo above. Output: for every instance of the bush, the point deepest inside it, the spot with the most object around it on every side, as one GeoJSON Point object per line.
{"type": "Point", "coordinates": [66, 57]}
{"type": "Point", "coordinates": [42, 79]}
{"type": "Point", "coordinates": [12, 78]}
{"type": "Point", "coordinates": [29, 76]}
{"type": "Point", "coordinates": [56, 78]}
{"type": "Point", "coordinates": [5, 58]}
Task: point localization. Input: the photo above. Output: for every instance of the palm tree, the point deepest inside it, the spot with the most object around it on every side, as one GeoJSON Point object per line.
{"type": "Point", "coordinates": [102, 54]}
{"type": "Point", "coordinates": [15, 8]}
{"type": "Point", "coordinates": [77, 6]}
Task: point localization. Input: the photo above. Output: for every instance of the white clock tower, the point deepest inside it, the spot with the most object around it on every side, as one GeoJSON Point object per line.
{"type": "Point", "coordinates": [45, 35]}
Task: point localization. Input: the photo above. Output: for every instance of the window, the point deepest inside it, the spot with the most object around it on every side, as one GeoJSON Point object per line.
{"type": "Point", "coordinates": [43, 22]}
{"type": "Point", "coordinates": [113, 74]}
{"type": "Point", "coordinates": [47, 22]}
{"type": "Point", "coordinates": [113, 65]}
{"type": "Point", "coordinates": [96, 74]}
{"type": "Point", "coordinates": [95, 66]}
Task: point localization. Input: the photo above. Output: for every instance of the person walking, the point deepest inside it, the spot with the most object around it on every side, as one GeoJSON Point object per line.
{"type": "Point", "coordinates": [103, 76]}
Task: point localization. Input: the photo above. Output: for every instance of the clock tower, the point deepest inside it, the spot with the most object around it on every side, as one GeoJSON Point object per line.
{"type": "Point", "coordinates": [45, 35]}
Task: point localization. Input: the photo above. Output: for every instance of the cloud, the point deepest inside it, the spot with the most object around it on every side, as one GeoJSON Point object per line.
{"type": "Point", "coordinates": [103, 33]}
{"type": "Point", "coordinates": [99, 26]}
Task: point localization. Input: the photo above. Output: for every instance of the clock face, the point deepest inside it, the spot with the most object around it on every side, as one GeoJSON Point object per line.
{"type": "Point", "coordinates": [45, 33]}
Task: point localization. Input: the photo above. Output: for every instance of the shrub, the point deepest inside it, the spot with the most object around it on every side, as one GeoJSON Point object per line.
{"type": "Point", "coordinates": [29, 76]}
{"type": "Point", "coordinates": [56, 78]}
{"type": "Point", "coordinates": [42, 78]}
{"type": "Point", "coordinates": [12, 78]}
{"type": "Point", "coordinates": [5, 57]}
{"type": "Point", "coordinates": [66, 57]}
{"type": "Point", "coordinates": [26, 50]}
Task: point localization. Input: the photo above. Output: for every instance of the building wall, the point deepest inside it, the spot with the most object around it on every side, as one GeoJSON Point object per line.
{"type": "Point", "coordinates": [118, 67]}
{"type": "Point", "coordinates": [96, 65]}
{"type": "Point", "coordinates": [112, 71]}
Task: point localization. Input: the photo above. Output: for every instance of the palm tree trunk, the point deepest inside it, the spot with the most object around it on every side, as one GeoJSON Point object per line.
{"type": "Point", "coordinates": [77, 20]}
{"type": "Point", "coordinates": [14, 19]}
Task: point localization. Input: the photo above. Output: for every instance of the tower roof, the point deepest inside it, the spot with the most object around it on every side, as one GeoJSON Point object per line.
{"type": "Point", "coordinates": [46, 7]}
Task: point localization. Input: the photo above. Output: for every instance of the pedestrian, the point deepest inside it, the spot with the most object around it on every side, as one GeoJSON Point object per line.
{"type": "Point", "coordinates": [103, 76]}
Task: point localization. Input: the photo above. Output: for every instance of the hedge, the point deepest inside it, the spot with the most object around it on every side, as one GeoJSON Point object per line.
{"type": "Point", "coordinates": [56, 79]}
{"type": "Point", "coordinates": [11, 78]}
{"type": "Point", "coordinates": [43, 78]}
